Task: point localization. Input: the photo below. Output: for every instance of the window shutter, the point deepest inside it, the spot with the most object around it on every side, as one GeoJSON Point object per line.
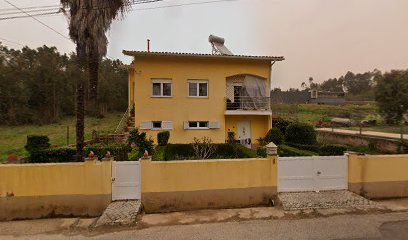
{"type": "Point", "coordinates": [146, 125]}
{"type": "Point", "coordinates": [167, 125]}
{"type": "Point", "coordinates": [186, 125]}
{"type": "Point", "coordinates": [214, 125]}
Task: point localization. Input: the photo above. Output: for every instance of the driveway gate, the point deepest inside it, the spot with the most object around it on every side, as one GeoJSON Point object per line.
{"type": "Point", "coordinates": [317, 173]}
{"type": "Point", "coordinates": [126, 180]}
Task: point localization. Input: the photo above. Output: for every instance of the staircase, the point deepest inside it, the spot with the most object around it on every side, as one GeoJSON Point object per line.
{"type": "Point", "coordinates": [121, 134]}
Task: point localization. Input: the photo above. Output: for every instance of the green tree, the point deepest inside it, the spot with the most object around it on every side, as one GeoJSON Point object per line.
{"type": "Point", "coordinates": [88, 22]}
{"type": "Point", "coordinates": [391, 94]}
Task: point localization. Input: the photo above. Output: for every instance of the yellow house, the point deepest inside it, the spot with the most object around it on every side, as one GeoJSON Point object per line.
{"type": "Point", "coordinates": [196, 95]}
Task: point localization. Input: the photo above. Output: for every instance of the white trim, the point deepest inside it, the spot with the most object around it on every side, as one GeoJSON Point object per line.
{"type": "Point", "coordinates": [198, 125]}
{"type": "Point", "coordinates": [161, 81]}
{"type": "Point", "coordinates": [197, 82]}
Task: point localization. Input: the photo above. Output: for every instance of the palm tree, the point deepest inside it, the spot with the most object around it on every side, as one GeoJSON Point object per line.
{"type": "Point", "coordinates": [88, 22]}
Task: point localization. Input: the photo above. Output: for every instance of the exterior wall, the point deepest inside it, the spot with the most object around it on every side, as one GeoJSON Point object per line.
{"type": "Point", "coordinates": [259, 125]}
{"type": "Point", "coordinates": [382, 144]}
{"type": "Point", "coordinates": [199, 184]}
{"type": "Point", "coordinates": [56, 189]}
{"type": "Point", "coordinates": [378, 176]}
{"type": "Point", "coordinates": [180, 107]}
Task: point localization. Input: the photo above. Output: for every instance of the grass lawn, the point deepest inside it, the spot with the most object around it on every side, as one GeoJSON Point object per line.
{"type": "Point", "coordinates": [13, 139]}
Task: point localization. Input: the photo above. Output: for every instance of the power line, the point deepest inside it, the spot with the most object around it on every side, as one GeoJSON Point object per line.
{"type": "Point", "coordinates": [52, 29]}
{"type": "Point", "coordinates": [11, 41]}
{"type": "Point", "coordinates": [33, 7]}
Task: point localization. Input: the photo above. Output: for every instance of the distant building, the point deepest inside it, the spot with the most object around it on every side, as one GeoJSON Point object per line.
{"type": "Point", "coordinates": [308, 96]}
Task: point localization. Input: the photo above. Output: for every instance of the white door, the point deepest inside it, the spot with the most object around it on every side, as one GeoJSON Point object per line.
{"type": "Point", "coordinates": [244, 133]}
{"type": "Point", "coordinates": [317, 173]}
{"type": "Point", "coordinates": [126, 181]}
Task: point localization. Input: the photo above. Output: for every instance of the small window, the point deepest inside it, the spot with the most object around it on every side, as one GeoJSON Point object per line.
{"type": "Point", "coordinates": [161, 88]}
{"type": "Point", "coordinates": [198, 88]}
{"type": "Point", "coordinates": [157, 125]}
{"type": "Point", "coordinates": [198, 125]}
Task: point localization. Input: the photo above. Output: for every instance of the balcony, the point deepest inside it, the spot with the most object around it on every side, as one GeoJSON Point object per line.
{"type": "Point", "coordinates": [241, 105]}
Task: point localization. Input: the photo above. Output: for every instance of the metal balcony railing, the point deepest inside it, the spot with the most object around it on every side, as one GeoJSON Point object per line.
{"type": "Point", "coordinates": [249, 103]}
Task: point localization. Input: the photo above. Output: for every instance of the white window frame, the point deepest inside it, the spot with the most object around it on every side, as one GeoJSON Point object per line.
{"type": "Point", "coordinates": [148, 125]}
{"type": "Point", "coordinates": [197, 82]}
{"type": "Point", "coordinates": [161, 81]}
{"type": "Point", "coordinates": [161, 125]}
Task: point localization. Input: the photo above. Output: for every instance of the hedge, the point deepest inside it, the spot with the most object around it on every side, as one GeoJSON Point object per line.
{"type": "Point", "coordinates": [118, 151]}
{"type": "Point", "coordinates": [281, 123]}
{"type": "Point", "coordinates": [311, 148]}
{"type": "Point", "coordinates": [163, 138]}
{"type": "Point", "coordinates": [332, 150]}
{"type": "Point", "coordinates": [37, 143]}
{"type": "Point", "coordinates": [287, 151]}
{"type": "Point", "coordinates": [274, 135]}
{"type": "Point", "coordinates": [300, 133]}
{"type": "Point", "coordinates": [223, 151]}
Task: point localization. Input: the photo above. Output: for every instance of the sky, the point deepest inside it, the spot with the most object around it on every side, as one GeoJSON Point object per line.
{"type": "Point", "coordinates": [319, 38]}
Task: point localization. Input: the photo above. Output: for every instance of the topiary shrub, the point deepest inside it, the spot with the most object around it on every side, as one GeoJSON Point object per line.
{"type": "Point", "coordinates": [274, 135]}
{"type": "Point", "coordinates": [163, 138]}
{"type": "Point", "coordinates": [300, 133]}
{"type": "Point", "coordinates": [281, 123]}
{"type": "Point", "coordinates": [287, 151]}
{"type": "Point", "coordinates": [37, 143]}
{"type": "Point", "coordinates": [332, 150]}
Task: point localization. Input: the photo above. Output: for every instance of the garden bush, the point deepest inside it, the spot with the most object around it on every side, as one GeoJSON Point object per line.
{"type": "Point", "coordinates": [163, 138]}
{"type": "Point", "coordinates": [281, 123]}
{"type": "Point", "coordinates": [300, 133]}
{"type": "Point", "coordinates": [274, 135]}
{"type": "Point", "coordinates": [312, 148]}
{"type": "Point", "coordinates": [118, 151]}
{"type": "Point", "coordinates": [53, 155]}
{"type": "Point", "coordinates": [36, 143]}
{"type": "Point", "coordinates": [261, 151]}
{"type": "Point", "coordinates": [332, 150]}
{"type": "Point", "coordinates": [158, 154]}
{"type": "Point", "coordinates": [287, 151]}
{"type": "Point", "coordinates": [223, 151]}
{"type": "Point", "coordinates": [134, 155]}
{"type": "Point", "coordinates": [141, 141]}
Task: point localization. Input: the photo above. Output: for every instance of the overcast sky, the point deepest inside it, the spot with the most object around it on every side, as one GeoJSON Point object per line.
{"type": "Point", "coordinates": [318, 38]}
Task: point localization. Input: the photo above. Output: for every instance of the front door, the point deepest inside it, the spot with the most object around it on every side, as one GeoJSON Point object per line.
{"type": "Point", "coordinates": [126, 180]}
{"type": "Point", "coordinates": [244, 133]}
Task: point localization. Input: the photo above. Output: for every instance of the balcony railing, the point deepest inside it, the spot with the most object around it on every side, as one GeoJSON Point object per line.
{"type": "Point", "coordinates": [249, 103]}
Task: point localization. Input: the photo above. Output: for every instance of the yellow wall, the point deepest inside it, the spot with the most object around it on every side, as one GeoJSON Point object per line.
{"type": "Point", "coordinates": [55, 179]}
{"type": "Point", "coordinates": [259, 125]}
{"type": "Point", "coordinates": [196, 175]}
{"type": "Point", "coordinates": [377, 168]}
{"type": "Point", "coordinates": [180, 107]}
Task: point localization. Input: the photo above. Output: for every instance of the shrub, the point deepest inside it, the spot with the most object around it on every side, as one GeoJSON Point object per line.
{"type": "Point", "coordinates": [300, 133]}
{"type": "Point", "coordinates": [118, 151]}
{"type": "Point", "coordinates": [141, 141]}
{"type": "Point", "coordinates": [332, 150]}
{"type": "Point", "coordinates": [134, 155]}
{"type": "Point", "coordinates": [311, 148]}
{"type": "Point", "coordinates": [274, 135]}
{"type": "Point", "coordinates": [231, 137]}
{"type": "Point", "coordinates": [281, 123]}
{"type": "Point", "coordinates": [178, 151]}
{"type": "Point", "coordinates": [36, 143]}
{"type": "Point", "coordinates": [158, 154]}
{"type": "Point", "coordinates": [163, 138]}
{"type": "Point", "coordinates": [203, 148]}
{"type": "Point", "coordinates": [287, 151]}
{"type": "Point", "coordinates": [53, 155]}
{"type": "Point", "coordinates": [261, 151]}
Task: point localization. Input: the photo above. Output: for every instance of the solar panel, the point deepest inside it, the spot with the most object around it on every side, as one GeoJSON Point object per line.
{"type": "Point", "coordinates": [218, 46]}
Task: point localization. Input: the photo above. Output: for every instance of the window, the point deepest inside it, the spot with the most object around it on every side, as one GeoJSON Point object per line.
{"type": "Point", "coordinates": [198, 125]}
{"type": "Point", "coordinates": [161, 88]}
{"type": "Point", "coordinates": [198, 88]}
{"type": "Point", "coordinates": [157, 125]}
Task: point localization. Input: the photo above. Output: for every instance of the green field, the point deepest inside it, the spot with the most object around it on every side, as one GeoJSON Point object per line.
{"type": "Point", "coordinates": [313, 113]}
{"type": "Point", "coordinates": [13, 139]}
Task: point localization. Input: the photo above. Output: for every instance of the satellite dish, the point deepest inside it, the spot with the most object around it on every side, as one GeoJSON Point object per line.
{"type": "Point", "coordinates": [218, 46]}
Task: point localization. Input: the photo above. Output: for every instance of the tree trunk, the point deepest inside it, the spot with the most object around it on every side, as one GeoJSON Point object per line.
{"type": "Point", "coordinates": [80, 106]}
{"type": "Point", "coordinates": [93, 68]}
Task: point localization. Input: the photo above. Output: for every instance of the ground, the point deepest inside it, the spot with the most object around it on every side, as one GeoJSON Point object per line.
{"type": "Point", "coordinates": [245, 224]}
{"type": "Point", "coordinates": [13, 139]}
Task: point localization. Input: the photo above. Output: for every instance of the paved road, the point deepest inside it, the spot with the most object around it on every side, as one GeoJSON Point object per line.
{"type": "Point", "coordinates": [341, 227]}
{"type": "Point", "coordinates": [368, 133]}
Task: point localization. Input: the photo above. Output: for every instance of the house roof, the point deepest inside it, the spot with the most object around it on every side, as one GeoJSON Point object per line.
{"type": "Point", "coordinates": [200, 55]}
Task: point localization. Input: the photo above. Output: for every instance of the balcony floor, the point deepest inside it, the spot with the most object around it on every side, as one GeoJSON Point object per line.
{"type": "Point", "coordinates": [248, 112]}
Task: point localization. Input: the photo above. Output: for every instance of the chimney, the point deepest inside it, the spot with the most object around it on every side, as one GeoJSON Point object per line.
{"type": "Point", "coordinates": [148, 45]}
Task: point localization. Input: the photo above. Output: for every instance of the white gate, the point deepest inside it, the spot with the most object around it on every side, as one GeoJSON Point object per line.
{"type": "Point", "coordinates": [126, 181]}
{"type": "Point", "coordinates": [317, 173]}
